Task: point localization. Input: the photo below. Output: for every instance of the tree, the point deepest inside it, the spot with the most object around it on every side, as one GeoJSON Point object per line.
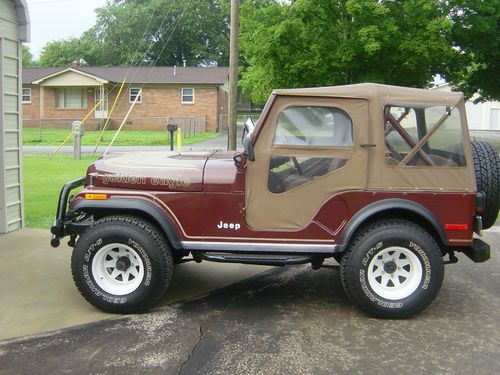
{"type": "Point", "coordinates": [28, 60]}
{"type": "Point", "coordinates": [477, 36]}
{"type": "Point", "coordinates": [158, 32]}
{"type": "Point", "coordinates": [162, 32]}
{"type": "Point", "coordinates": [329, 42]}
{"type": "Point", "coordinates": [65, 52]}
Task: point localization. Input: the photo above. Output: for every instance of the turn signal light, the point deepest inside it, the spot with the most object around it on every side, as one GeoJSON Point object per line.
{"type": "Point", "coordinates": [96, 197]}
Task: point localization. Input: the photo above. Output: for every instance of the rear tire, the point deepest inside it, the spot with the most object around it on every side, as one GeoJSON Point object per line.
{"type": "Point", "coordinates": [486, 168]}
{"type": "Point", "coordinates": [122, 265]}
{"type": "Point", "coordinates": [392, 269]}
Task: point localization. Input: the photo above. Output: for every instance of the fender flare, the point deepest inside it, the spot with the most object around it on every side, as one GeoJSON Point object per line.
{"type": "Point", "coordinates": [387, 205]}
{"type": "Point", "coordinates": [130, 206]}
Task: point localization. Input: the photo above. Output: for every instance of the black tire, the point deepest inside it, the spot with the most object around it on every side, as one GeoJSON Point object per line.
{"type": "Point", "coordinates": [486, 168]}
{"type": "Point", "coordinates": [116, 248]}
{"type": "Point", "coordinates": [374, 250]}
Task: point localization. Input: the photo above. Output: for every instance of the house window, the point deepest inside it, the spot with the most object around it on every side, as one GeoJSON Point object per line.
{"type": "Point", "coordinates": [26, 95]}
{"type": "Point", "coordinates": [133, 92]}
{"type": "Point", "coordinates": [495, 119]}
{"type": "Point", "coordinates": [71, 98]}
{"type": "Point", "coordinates": [187, 96]}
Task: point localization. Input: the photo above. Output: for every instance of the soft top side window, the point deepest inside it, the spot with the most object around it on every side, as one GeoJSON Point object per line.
{"type": "Point", "coordinates": [422, 135]}
{"type": "Point", "coordinates": [314, 126]}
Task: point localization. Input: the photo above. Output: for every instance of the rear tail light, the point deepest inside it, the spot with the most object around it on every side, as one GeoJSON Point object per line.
{"type": "Point", "coordinates": [480, 202]}
{"type": "Point", "coordinates": [462, 227]}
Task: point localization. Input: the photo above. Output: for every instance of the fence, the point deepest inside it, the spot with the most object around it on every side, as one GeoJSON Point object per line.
{"type": "Point", "coordinates": [240, 120]}
{"type": "Point", "coordinates": [190, 125]}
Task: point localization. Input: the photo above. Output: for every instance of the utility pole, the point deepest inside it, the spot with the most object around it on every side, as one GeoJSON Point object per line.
{"type": "Point", "coordinates": [233, 72]}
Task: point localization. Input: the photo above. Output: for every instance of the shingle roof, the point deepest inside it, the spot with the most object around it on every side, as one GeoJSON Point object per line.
{"type": "Point", "coordinates": [146, 74]}
{"type": "Point", "coordinates": [32, 74]}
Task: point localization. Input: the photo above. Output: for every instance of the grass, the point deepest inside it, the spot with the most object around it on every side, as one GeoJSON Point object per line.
{"type": "Point", "coordinates": [54, 137]}
{"type": "Point", "coordinates": [43, 179]}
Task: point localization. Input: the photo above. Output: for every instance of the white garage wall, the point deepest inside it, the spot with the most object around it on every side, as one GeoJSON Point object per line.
{"type": "Point", "coordinates": [11, 194]}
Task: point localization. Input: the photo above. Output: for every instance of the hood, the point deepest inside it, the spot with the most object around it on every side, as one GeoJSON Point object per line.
{"type": "Point", "coordinates": [150, 171]}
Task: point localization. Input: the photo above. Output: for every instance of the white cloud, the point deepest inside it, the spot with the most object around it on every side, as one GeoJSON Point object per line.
{"type": "Point", "coordinates": [59, 19]}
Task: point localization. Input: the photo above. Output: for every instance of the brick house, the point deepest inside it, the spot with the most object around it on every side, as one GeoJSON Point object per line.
{"type": "Point", "coordinates": [188, 96]}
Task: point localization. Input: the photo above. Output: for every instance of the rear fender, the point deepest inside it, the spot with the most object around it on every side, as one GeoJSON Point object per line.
{"type": "Point", "coordinates": [408, 209]}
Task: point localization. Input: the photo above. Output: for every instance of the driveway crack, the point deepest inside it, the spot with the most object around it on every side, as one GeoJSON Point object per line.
{"type": "Point", "coordinates": [181, 368]}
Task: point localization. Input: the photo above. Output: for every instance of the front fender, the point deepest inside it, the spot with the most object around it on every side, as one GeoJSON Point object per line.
{"type": "Point", "coordinates": [131, 206]}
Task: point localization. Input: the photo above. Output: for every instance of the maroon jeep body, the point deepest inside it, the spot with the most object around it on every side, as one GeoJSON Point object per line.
{"type": "Point", "coordinates": [381, 178]}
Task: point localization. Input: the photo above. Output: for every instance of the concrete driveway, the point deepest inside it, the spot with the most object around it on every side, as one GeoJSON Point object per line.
{"type": "Point", "coordinates": [37, 293]}
{"type": "Point", "coordinates": [285, 321]}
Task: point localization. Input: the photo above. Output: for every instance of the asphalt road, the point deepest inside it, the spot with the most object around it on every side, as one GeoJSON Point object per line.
{"type": "Point", "coordinates": [285, 321]}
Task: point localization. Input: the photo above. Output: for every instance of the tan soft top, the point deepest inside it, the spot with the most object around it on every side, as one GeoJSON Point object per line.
{"type": "Point", "coordinates": [366, 168]}
{"type": "Point", "coordinates": [378, 93]}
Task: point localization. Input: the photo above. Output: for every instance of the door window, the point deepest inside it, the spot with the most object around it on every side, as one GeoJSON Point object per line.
{"type": "Point", "coordinates": [313, 126]}
{"type": "Point", "coordinates": [310, 127]}
{"type": "Point", "coordinates": [97, 98]}
{"type": "Point", "coordinates": [288, 172]}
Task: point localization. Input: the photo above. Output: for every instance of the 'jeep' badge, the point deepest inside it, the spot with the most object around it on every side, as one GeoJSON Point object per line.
{"type": "Point", "coordinates": [234, 226]}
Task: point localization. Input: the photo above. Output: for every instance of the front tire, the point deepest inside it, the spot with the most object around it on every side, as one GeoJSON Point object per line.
{"type": "Point", "coordinates": [122, 265]}
{"type": "Point", "coordinates": [392, 269]}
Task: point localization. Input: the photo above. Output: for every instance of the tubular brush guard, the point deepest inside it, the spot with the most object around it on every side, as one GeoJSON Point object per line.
{"type": "Point", "coordinates": [58, 227]}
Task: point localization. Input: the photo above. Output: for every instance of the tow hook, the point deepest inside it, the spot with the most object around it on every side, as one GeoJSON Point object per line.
{"type": "Point", "coordinates": [72, 240]}
{"type": "Point", "coordinates": [451, 258]}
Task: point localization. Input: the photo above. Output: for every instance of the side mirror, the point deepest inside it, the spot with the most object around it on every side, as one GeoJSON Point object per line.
{"type": "Point", "coordinates": [247, 143]}
{"type": "Point", "coordinates": [247, 129]}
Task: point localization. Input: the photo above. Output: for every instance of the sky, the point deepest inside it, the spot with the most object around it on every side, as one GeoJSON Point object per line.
{"type": "Point", "coordinates": [59, 19]}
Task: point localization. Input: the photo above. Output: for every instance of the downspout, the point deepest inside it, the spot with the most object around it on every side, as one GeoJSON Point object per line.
{"type": "Point", "coordinates": [42, 109]}
{"type": "Point", "coordinates": [218, 108]}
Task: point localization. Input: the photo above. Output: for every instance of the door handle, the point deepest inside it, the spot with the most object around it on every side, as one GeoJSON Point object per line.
{"type": "Point", "coordinates": [367, 145]}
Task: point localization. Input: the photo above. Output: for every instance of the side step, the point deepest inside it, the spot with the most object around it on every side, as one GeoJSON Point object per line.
{"type": "Point", "coordinates": [258, 259]}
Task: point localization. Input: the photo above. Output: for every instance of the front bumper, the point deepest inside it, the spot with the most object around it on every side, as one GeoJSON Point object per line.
{"type": "Point", "coordinates": [59, 226]}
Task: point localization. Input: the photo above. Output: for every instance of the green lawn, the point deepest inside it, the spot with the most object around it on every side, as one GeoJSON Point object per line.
{"type": "Point", "coordinates": [54, 137]}
{"type": "Point", "coordinates": [43, 179]}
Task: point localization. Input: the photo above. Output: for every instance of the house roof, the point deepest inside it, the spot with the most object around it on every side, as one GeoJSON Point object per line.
{"type": "Point", "coordinates": [146, 74]}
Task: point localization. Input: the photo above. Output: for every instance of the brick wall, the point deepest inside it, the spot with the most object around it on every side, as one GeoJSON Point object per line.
{"type": "Point", "coordinates": [158, 103]}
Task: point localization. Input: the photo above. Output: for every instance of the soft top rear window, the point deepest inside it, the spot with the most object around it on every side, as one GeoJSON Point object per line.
{"type": "Point", "coordinates": [423, 136]}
